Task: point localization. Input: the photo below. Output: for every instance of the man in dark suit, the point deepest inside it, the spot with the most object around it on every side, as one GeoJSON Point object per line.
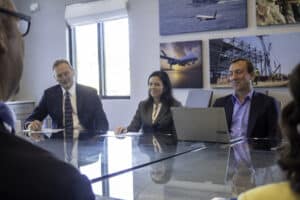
{"type": "Point", "coordinates": [249, 113]}
{"type": "Point", "coordinates": [87, 110]}
{"type": "Point", "coordinates": [26, 171]}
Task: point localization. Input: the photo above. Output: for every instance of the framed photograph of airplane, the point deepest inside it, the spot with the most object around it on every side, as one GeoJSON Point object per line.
{"type": "Point", "coordinates": [273, 57]}
{"type": "Point", "coordinates": [183, 63]}
{"type": "Point", "coordinates": [277, 12]}
{"type": "Point", "coordinates": [187, 16]}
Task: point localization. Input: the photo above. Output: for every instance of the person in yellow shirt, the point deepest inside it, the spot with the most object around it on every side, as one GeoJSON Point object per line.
{"type": "Point", "coordinates": [290, 157]}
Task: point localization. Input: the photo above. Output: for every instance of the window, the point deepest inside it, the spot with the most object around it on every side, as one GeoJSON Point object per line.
{"type": "Point", "coordinates": [100, 55]}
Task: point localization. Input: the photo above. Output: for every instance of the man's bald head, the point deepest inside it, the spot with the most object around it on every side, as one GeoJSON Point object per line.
{"type": "Point", "coordinates": [11, 52]}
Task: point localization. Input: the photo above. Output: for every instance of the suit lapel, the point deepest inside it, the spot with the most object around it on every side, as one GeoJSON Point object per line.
{"type": "Point", "coordinates": [78, 99]}
{"type": "Point", "coordinates": [148, 114]}
{"type": "Point", "coordinates": [59, 105]}
{"type": "Point", "coordinates": [254, 107]}
{"type": "Point", "coordinates": [229, 111]}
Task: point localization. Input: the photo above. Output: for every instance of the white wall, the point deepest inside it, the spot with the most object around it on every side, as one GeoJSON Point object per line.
{"type": "Point", "coordinates": [47, 41]}
{"type": "Point", "coordinates": [44, 44]}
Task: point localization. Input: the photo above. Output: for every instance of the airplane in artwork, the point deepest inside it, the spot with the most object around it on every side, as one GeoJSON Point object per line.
{"type": "Point", "coordinates": [185, 60]}
{"type": "Point", "coordinates": [207, 17]}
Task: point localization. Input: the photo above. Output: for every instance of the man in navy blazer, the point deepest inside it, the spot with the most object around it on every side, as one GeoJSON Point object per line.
{"type": "Point", "coordinates": [249, 113]}
{"type": "Point", "coordinates": [87, 110]}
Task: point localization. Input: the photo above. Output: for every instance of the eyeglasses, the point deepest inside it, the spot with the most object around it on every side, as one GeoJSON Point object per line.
{"type": "Point", "coordinates": [23, 22]}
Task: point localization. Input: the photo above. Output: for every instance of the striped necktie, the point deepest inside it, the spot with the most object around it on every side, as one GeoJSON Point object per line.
{"type": "Point", "coordinates": [69, 148]}
{"type": "Point", "coordinates": [68, 113]}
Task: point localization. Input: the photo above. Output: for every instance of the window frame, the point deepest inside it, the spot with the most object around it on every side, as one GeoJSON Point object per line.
{"type": "Point", "coordinates": [101, 57]}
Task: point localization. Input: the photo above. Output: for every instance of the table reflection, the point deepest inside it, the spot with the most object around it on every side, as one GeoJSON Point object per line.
{"type": "Point", "coordinates": [79, 150]}
{"type": "Point", "coordinates": [101, 157]}
{"type": "Point", "coordinates": [158, 165]}
{"type": "Point", "coordinates": [160, 172]}
{"type": "Point", "coordinates": [250, 166]}
{"type": "Point", "coordinates": [219, 170]}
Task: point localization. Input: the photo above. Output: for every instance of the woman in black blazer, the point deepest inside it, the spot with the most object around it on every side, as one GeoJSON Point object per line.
{"type": "Point", "coordinates": [154, 113]}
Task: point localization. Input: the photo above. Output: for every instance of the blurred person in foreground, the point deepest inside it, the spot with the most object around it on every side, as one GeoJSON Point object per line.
{"type": "Point", "coordinates": [26, 171]}
{"type": "Point", "coordinates": [290, 157]}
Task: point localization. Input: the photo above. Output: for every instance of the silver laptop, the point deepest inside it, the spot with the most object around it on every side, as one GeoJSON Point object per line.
{"type": "Point", "coordinates": [202, 124]}
{"type": "Point", "coordinates": [198, 98]}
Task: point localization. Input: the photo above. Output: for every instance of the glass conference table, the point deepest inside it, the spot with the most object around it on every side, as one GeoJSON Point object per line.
{"type": "Point", "coordinates": [215, 172]}
{"type": "Point", "coordinates": [157, 166]}
{"type": "Point", "coordinates": [100, 156]}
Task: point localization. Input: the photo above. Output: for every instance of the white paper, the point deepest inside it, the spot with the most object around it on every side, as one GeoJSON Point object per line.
{"type": "Point", "coordinates": [112, 134]}
{"type": "Point", "coordinates": [45, 131]}
{"type": "Point", "coordinates": [133, 134]}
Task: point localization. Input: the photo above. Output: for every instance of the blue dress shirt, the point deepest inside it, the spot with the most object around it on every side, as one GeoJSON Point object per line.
{"type": "Point", "coordinates": [240, 115]}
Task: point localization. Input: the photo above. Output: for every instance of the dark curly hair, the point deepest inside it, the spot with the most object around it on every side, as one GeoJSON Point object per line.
{"type": "Point", "coordinates": [290, 121]}
{"type": "Point", "coordinates": [167, 95]}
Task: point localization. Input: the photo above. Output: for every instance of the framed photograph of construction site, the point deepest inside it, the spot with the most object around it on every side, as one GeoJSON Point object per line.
{"type": "Point", "coordinates": [273, 12]}
{"type": "Point", "coordinates": [273, 57]}
{"type": "Point", "coordinates": [183, 63]}
{"type": "Point", "coordinates": [187, 16]}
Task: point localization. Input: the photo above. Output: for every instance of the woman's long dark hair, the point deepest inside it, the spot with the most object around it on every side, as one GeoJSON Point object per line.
{"type": "Point", "coordinates": [290, 120]}
{"type": "Point", "coordinates": [167, 95]}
